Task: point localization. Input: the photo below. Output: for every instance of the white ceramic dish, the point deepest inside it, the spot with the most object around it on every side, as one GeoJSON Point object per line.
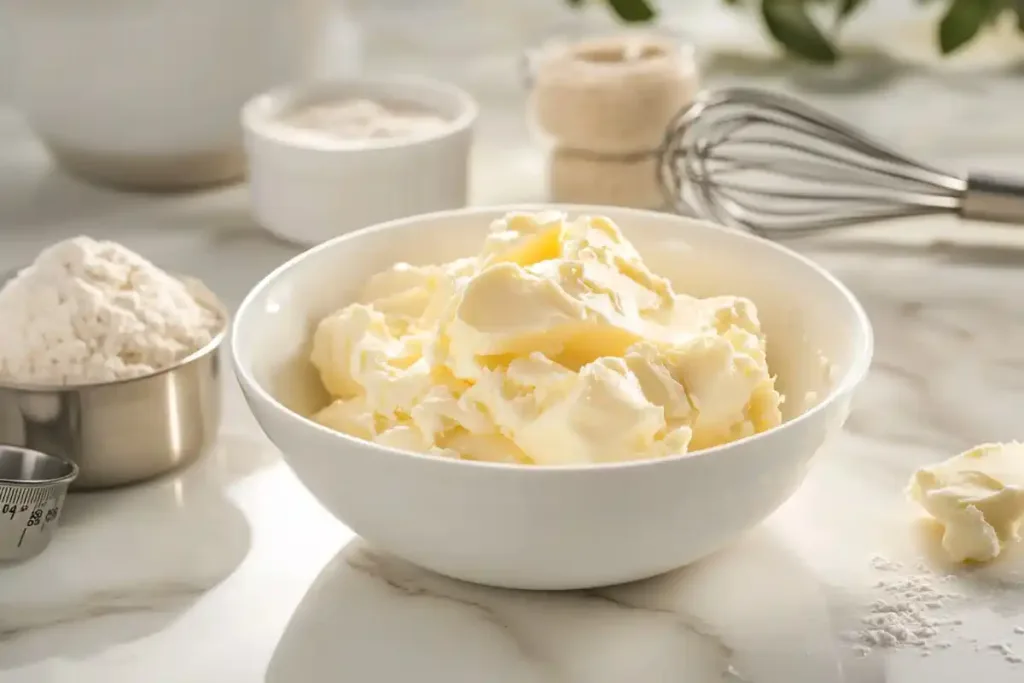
{"type": "Point", "coordinates": [556, 528]}
{"type": "Point", "coordinates": [145, 95]}
{"type": "Point", "coordinates": [308, 189]}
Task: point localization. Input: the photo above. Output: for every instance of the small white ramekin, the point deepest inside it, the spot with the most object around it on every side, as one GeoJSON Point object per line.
{"type": "Point", "coordinates": [307, 188]}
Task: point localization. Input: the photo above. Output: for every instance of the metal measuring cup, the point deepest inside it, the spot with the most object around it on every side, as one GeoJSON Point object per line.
{"type": "Point", "coordinates": [33, 486]}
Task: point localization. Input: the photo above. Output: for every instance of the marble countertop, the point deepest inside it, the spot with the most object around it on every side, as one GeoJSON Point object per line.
{"type": "Point", "coordinates": [230, 572]}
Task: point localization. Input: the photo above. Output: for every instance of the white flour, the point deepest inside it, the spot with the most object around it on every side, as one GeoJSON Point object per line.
{"type": "Point", "coordinates": [364, 119]}
{"type": "Point", "coordinates": [1006, 651]}
{"type": "Point", "coordinates": [910, 614]}
{"type": "Point", "coordinates": [88, 311]}
{"type": "Point", "coordinates": [907, 614]}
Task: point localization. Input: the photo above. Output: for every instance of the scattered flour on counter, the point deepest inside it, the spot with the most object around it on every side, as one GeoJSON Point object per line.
{"type": "Point", "coordinates": [1006, 651]}
{"type": "Point", "coordinates": [909, 614]}
{"type": "Point", "coordinates": [884, 564]}
{"type": "Point", "coordinates": [93, 311]}
{"type": "Point", "coordinates": [906, 615]}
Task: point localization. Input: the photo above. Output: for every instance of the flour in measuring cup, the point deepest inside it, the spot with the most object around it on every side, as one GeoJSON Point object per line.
{"type": "Point", "coordinates": [93, 311]}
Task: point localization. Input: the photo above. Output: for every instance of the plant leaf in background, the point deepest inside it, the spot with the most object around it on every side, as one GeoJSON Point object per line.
{"type": "Point", "coordinates": [789, 23]}
{"type": "Point", "coordinates": [847, 7]}
{"type": "Point", "coordinates": [632, 11]}
{"type": "Point", "coordinates": [995, 10]}
{"type": "Point", "coordinates": [962, 21]}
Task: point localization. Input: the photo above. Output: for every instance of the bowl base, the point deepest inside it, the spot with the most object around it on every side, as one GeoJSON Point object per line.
{"type": "Point", "coordinates": [101, 481]}
{"type": "Point", "coordinates": [555, 581]}
{"type": "Point", "coordinates": [151, 172]}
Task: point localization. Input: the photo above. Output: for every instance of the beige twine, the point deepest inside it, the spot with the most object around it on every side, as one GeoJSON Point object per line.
{"type": "Point", "coordinates": [604, 104]}
{"type": "Point", "coordinates": [612, 95]}
{"type": "Point", "coordinates": [581, 178]}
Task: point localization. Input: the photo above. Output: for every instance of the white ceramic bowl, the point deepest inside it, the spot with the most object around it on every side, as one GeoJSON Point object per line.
{"type": "Point", "coordinates": [556, 528]}
{"type": "Point", "coordinates": [308, 189]}
{"type": "Point", "coordinates": [145, 95]}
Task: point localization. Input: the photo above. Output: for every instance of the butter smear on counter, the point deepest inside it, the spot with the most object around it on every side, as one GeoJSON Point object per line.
{"type": "Point", "coordinates": [556, 345]}
{"type": "Point", "coordinates": [977, 496]}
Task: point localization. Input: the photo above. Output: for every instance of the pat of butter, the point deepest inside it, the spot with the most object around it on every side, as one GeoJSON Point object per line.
{"type": "Point", "coordinates": [977, 496]}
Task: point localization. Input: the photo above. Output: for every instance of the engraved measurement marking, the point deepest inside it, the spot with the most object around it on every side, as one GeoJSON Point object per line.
{"type": "Point", "coordinates": [27, 507]}
{"type": "Point", "coordinates": [24, 495]}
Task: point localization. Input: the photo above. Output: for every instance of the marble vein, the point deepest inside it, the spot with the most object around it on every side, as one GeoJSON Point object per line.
{"type": "Point", "coordinates": [682, 620]}
{"type": "Point", "coordinates": [403, 578]}
{"type": "Point", "coordinates": [25, 618]}
{"type": "Point", "coordinates": [513, 612]}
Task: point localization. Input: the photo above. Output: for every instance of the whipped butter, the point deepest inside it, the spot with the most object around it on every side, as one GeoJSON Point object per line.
{"type": "Point", "coordinates": [556, 345]}
{"type": "Point", "coordinates": [977, 496]}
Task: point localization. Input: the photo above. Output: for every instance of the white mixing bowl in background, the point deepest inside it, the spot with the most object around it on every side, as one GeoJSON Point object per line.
{"type": "Point", "coordinates": [570, 527]}
{"type": "Point", "coordinates": [145, 95]}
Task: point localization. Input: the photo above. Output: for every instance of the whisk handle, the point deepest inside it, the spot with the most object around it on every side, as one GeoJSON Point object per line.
{"type": "Point", "coordinates": [993, 198]}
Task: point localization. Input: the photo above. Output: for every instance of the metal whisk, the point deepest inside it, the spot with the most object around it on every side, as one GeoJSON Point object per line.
{"type": "Point", "coordinates": [778, 167]}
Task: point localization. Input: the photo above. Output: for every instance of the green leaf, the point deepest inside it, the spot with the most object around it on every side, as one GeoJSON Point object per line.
{"type": "Point", "coordinates": [633, 11]}
{"type": "Point", "coordinates": [789, 23]}
{"type": "Point", "coordinates": [1017, 7]}
{"type": "Point", "coordinates": [962, 21]}
{"type": "Point", "coordinates": [995, 11]}
{"type": "Point", "coordinates": [848, 7]}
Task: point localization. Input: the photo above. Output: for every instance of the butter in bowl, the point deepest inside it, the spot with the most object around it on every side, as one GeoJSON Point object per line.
{"type": "Point", "coordinates": [591, 396]}
{"type": "Point", "coordinates": [114, 365]}
{"type": "Point", "coordinates": [329, 157]}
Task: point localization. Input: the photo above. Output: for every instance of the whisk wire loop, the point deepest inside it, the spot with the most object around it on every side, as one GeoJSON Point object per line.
{"type": "Point", "coordinates": [771, 164]}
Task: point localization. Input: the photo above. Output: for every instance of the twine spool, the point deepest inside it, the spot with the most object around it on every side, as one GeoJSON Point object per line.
{"type": "Point", "coordinates": [582, 178]}
{"type": "Point", "coordinates": [612, 95]}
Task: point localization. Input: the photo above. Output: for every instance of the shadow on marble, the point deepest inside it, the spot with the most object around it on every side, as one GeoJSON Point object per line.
{"type": "Point", "coordinates": [863, 70]}
{"type": "Point", "coordinates": [235, 252]}
{"type": "Point", "coordinates": [1016, 68]}
{"type": "Point", "coordinates": [752, 613]}
{"type": "Point", "coordinates": [127, 562]}
{"type": "Point", "coordinates": [55, 197]}
{"type": "Point", "coordinates": [1004, 255]}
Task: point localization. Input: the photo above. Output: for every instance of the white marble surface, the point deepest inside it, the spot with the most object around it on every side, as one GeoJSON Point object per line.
{"type": "Point", "coordinates": [229, 571]}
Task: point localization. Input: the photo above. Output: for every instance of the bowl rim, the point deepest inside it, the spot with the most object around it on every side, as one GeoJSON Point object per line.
{"type": "Point", "coordinates": [65, 479]}
{"type": "Point", "coordinates": [854, 375]}
{"type": "Point", "coordinates": [260, 113]}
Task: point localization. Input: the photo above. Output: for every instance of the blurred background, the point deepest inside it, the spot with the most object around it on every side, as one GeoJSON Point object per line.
{"type": "Point", "coordinates": [888, 63]}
